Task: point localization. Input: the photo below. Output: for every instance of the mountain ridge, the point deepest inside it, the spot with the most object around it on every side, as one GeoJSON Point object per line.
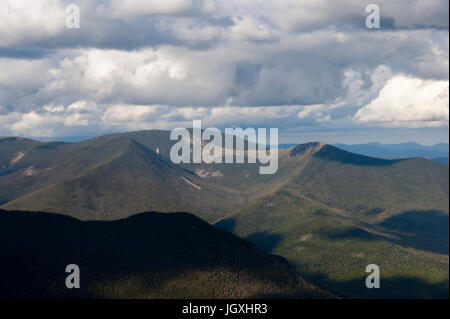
{"type": "Point", "coordinates": [149, 255]}
{"type": "Point", "coordinates": [326, 210]}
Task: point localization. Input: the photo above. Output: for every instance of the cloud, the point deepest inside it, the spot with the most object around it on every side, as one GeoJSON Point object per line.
{"type": "Point", "coordinates": [306, 15]}
{"type": "Point", "coordinates": [86, 116]}
{"type": "Point", "coordinates": [135, 8]}
{"type": "Point", "coordinates": [109, 23]}
{"type": "Point", "coordinates": [172, 76]}
{"type": "Point", "coordinates": [406, 101]}
{"type": "Point", "coordinates": [34, 124]}
{"type": "Point", "coordinates": [120, 114]}
{"type": "Point", "coordinates": [30, 21]}
{"type": "Point", "coordinates": [138, 64]}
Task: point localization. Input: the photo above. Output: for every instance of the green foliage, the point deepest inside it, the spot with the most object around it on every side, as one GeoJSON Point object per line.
{"type": "Point", "coordinates": [108, 178]}
{"type": "Point", "coordinates": [150, 255]}
{"type": "Point", "coordinates": [332, 249]}
{"type": "Point", "coordinates": [328, 211]}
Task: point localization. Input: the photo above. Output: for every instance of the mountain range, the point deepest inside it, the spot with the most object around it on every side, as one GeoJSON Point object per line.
{"type": "Point", "coordinates": [327, 211]}
{"type": "Point", "coordinates": [438, 152]}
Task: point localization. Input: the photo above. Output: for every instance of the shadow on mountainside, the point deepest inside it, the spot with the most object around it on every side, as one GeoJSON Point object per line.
{"type": "Point", "coordinates": [150, 255]}
{"type": "Point", "coordinates": [398, 287]}
{"type": "Point", "coordinates": [265, 241]}
{"type": "Point", "coordinates": [423, 230]}
{"type": "Point", "coordinates": [332, 153]}
{"type": "Point", "coordinates": [426, 230]}
{"type": "Point", "coordinates": [352, 233]}
{"type": "Point", "coordinates": [226, 224]}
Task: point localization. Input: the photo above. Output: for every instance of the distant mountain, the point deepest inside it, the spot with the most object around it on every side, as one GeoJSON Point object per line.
{"type": "Point", "coordinates": [286, 146]}
{"type": "Point", "coordinates": [148, 255]}
{"type": "Point", "coordinates": [438, 152]}
{"type": "Point", "coordinates": [442, 160]}
{"type": "Point", "coordinates": [360, 184]}
{"type": "Point", "coordinates": [327, 210]}
{"type": "Point", "coordinates": [337, 212]}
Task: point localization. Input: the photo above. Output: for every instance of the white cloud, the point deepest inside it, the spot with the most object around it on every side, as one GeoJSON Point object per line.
{"type": "Point", "coordinates": [23, 20]}
{"type": "Point", "coordinates": [122, 114]}
{"type": "Point", "coordinates": [363, 85]}
{"type": "Point", "coordinates": [54, 108]}
{"type": "Point", "coordinates": [168, 75]}
{"type": "Point", "coordinates": [77, 120]}
{"type": "Point", "coordinates": [34, 124]}
{"type": "Point", "coordinates": [138, 64]}
{"type": "Point", "coordinates": [314, 112]}
{"type": "Point", "coordinates": [251, 28]}
{"type": "Point", "coordinates": [20, 74]}
{"type": "Point", "coordinates": [82, 106]}
{"type": "Point", "coordinates": [407, 101]}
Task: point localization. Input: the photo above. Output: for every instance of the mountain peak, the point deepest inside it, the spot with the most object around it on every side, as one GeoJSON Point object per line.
{"type": "Point", "coordinates": [306, 149]}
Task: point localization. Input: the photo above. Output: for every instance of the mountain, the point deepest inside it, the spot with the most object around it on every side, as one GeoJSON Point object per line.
{"type": "Point", "coordinates": [442, 160]}
{"type": "Point", "coordinates": [339, 212]}
{"type": "Point", "coordinates": [150, 255]}
{"type": "Point", "coordinates": [362, 185]}
{"type": "Point", "coordinates": [438, 152]}
{"type": "Point", "coordinates": [109, 177]}
{"type": "Point", "coordinates": [328, 211]}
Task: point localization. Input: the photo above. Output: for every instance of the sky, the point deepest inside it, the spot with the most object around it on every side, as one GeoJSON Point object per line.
{"type": "Point", "coordinates": [310, 68]}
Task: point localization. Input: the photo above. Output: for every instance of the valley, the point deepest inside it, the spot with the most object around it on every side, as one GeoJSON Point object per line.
{"type": "Point", "coordinates": [327, 211]}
